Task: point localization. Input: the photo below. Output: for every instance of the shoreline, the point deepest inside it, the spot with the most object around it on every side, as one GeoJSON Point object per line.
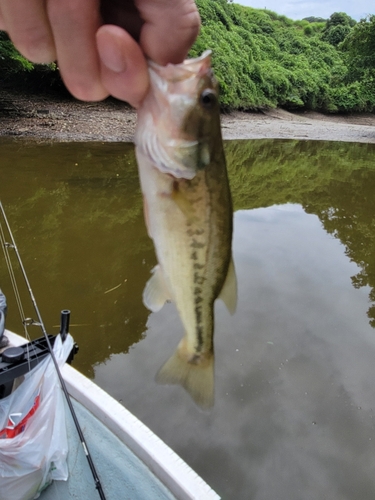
{"type": "Point", "coordinates": [47, 118]}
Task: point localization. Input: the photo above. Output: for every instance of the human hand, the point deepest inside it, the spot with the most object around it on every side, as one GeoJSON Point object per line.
{"type": "Point", "coordinates": [101, 47]}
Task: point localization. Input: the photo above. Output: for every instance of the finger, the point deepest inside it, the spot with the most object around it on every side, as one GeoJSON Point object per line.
{"type": "Point", "coordinates": [29, 29]}
{"type": "Point", "coordinates": [170, 29]}
{"type": "Point", "coordinates": [123, 66]}
{"type": "Point", "coordinates": [74, 24]}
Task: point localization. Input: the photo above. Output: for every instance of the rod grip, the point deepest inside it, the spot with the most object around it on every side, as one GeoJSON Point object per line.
{"type": "Point", "coordinates": [64, 323]}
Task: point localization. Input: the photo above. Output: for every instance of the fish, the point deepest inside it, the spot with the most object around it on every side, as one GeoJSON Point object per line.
{"type": "Point", "coordinates": [188, 213]}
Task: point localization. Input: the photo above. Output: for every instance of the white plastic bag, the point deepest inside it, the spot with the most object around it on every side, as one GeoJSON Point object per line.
{"type": "Point", "coordinates": [35, 414]}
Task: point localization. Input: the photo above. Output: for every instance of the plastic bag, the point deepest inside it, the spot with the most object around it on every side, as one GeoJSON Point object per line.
{"type": "Point", "coordinates": [33, 438]}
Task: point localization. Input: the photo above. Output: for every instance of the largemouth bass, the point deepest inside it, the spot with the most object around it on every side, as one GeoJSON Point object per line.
{"type": "Point", "coordinates": [188, 213]}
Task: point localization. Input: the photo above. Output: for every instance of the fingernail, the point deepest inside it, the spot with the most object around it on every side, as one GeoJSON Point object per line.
{"type": "Point", "coordinates": [110, 54]}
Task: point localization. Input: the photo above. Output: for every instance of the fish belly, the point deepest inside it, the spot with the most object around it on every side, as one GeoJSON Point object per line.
{"type": "Point", "coordinates": [190, 252]}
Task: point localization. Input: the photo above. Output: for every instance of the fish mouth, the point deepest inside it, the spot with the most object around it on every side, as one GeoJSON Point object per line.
{"type": "Point", "coordinates": [187, 69]}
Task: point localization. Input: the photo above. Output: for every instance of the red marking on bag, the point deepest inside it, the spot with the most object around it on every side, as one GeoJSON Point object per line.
{"type": "Point", "coordinates": [12, 429]}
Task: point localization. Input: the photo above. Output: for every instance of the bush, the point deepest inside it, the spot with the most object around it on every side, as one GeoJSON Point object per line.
{"type": "Point", "coordinates": [265, 60]}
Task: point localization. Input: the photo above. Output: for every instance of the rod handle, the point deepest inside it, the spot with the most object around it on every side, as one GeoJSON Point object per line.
{"type": "Point", "coordinates": [64, 323]}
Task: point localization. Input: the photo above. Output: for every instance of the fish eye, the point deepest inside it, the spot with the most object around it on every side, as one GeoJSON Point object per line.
{"type": "Point", "coordinates": [208, 99]}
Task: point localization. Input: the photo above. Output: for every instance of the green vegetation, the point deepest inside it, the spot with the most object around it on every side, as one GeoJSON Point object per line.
{"type": "Point", "coordinates": [263, 59]}
{"type": "Point", "coordinates": [359, 49]}
{"type": "Point", "coordinates": [337, 28]}
{"type": "Point", "coordinates": [313, 19]}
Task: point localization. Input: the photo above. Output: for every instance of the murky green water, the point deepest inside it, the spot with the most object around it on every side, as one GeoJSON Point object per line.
{"type": "Point", "coordinates": [295, 367]}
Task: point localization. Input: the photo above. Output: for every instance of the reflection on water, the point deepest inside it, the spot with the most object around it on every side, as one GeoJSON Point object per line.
{"type": "Point", "coordinates": [295, 392]}
{"type": "Point", "coordinates": [76, 212]}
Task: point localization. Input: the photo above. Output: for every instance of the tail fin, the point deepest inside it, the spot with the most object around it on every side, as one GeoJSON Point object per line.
{"type": "Point", "coordinates": [194, 372]}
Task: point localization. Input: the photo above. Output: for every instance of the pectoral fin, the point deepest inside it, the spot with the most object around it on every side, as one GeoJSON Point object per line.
{"type": "Point", "coordinates": [156, 293]}
{"type": "Point", "coordinates": [228, 293]}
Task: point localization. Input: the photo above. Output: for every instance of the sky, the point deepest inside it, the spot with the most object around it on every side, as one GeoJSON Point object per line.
{"type": "Point", "coordinates": [298, 9]}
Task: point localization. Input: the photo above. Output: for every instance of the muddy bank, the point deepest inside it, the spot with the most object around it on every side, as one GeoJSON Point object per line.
{"type": "Point", "coordinates": [280, 124]}
{"type": "Point", "coordinates": [43, 118]}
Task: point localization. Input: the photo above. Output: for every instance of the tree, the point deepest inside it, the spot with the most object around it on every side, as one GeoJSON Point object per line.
{"type": "Point", "coordinates": [312, 19]}
{"type": "Point", "coordinates": [360, 45]}
{"type": "Point", "coordinates": [338, 27]}
{"type": "Point", "coordinates": [340, 18]}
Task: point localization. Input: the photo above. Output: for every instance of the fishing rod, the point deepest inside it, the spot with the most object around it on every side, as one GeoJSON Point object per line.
{"type": "Point", "coordinates": [40, 323]}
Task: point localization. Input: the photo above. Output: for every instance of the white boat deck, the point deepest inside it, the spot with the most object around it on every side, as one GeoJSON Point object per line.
{"type": "Point", "coordinates": [131, 461]}
{"type": "Point", "coordinates": [122, 474]}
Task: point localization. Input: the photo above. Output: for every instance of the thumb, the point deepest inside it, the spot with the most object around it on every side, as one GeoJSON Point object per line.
{"type": "Point", "coordinates": [123, 66]}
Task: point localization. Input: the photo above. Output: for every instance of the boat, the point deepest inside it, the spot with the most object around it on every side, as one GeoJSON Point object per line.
{"type": "Point", "coordinates": [131, 461]}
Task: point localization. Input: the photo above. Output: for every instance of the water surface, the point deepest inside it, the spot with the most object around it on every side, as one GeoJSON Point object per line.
{"type": "Point", "coordinates": [295, 377]}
